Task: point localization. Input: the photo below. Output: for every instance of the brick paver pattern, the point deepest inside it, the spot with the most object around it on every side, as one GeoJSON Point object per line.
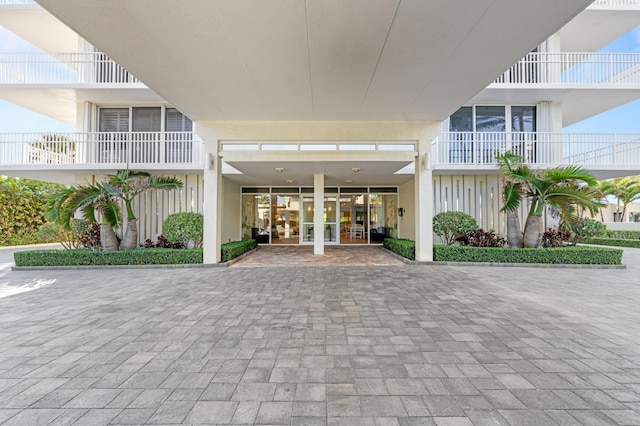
{"type": "Point", "coordinates": [353, 345]}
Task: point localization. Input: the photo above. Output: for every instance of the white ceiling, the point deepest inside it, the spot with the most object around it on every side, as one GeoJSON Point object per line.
{"type": "Point", "coordinates": [316, 59]}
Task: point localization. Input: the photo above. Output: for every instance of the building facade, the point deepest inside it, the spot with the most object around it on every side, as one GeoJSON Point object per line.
{"type": "Point", "coordinates": [317, 123]}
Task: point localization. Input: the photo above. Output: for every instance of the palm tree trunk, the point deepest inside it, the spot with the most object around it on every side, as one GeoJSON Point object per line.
{"type": "Point", "coordinates": [514, 234]}
{"type": "Point", "coordinates": [108, 239]}
{"type": "Point", "coordinates": [130, 240]}
{"type": "Point", "coordinates": [533, 230]}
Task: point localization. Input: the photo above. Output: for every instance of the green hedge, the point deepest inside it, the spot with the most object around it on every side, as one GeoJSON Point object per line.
{"type": "Point", "coordinates": [618, 242]}
{"type": "Point", "coordinates": [623, 235]}
{"type": "Point", "coordinates": [405, 248]}
{"type": "Point", "coordinates": [557, 255]}
{"type": "Point", "coordinates": [85, 257]}
{"type": "Point", "coordinates": [560, 255]}
{"type": "Point", "coordinates": [236, 248]}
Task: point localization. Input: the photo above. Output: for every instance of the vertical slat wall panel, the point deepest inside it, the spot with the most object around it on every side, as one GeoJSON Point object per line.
{"type": "Point", "coordinates": [153, 207]}
{"type": "Point", "coordinates": [477, 195]}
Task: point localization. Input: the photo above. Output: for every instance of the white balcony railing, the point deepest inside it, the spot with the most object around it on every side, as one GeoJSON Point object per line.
{"type": "Point", "coordinates": [140, 149]}
{"type": "Point", "coordinates": [61, 68]}
{"type": "Point", "coordinates": [616, 3]}
{"type": "Point", "coordinates": [574, 68]}
{"type": "Point", "coordinates": [537, 148]}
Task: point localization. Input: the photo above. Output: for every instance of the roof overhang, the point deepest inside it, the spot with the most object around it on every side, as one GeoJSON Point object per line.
{"type": "Point", "coordinates": [316, 60]}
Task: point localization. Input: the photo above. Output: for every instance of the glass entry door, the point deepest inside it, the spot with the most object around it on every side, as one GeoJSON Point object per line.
{"type": "Point", "coordinates": [285, 219]}
{"type": "Point", "coordinates": [354, 223]}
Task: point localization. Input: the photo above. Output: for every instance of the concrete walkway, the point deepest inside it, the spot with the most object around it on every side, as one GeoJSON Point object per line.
{"type": "Point", "coordinates": [377, 345]}
{"type": "Point", "coordinates": [297, 256]}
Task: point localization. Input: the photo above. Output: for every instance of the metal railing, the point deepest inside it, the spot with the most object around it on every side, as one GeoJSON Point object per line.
{"type": "Point", "coordinates": [318, 146]}
{"type": "Point", "coordinates": [61, 68]}
{"type": "Point", "coordinates": [537, 148]}
{"type": "Point", "coordinates": [101, 148]}
{"type": "Point", "coordinates": [615, 3]}
{"type": "Point", "coordinates": [574, 68]}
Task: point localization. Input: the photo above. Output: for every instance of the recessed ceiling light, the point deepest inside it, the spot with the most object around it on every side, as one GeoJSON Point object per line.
{"type": "Point", "coordinates": [355, 169]}
{"type": "Point", "coordinates": [347, 181]}
{"type": "Point", "coordinates": [289, 181]}
{"type": "Point", "coordinates": [279, 169]}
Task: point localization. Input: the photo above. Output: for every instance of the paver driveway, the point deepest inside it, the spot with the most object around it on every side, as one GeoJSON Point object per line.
{"type": "Point", "coordinates": [355, 345]}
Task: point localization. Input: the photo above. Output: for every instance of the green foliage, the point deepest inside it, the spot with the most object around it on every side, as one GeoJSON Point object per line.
{"type": "Point", "coordinates": [184, 227]}
{"type": "Point", "coordinates": [22, 209]}
{"type": "Point", "coordinates": [405, 248]}
{"type": "Point", "coordinates": [236, 248]}
{"type": "Point", "coordinates": [452, 225]}
{"type": "Point", "coordinates": [582, 228]}
{"type": "Point", "coordinates": [482, 238]}
{"type": "Point", "coordinates": [623, 235]}
{"type": "Point", "coordinates": [613, 242]}
{"type": "Point", "coordinates": [85, 257]}
{"type": "Point", "coordinates": [560, 255]}
{"type": "Point", "coordinates": [555, 237]}
{"type": "Point", "coordinates": [78, 234]}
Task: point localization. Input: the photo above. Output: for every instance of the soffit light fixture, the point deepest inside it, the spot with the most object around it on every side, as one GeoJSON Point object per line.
{"type": "Point", "coordinates": [289, 181]}
{"type": "Point", "coordinates": [279, 169]}
{"type": "Point", "coordinates": [355, 169]}
{"type": "Point", "coordinates": [348, 181]}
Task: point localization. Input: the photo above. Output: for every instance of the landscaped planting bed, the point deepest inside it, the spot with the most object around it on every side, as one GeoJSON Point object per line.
{"type": "Point", "coordinates": [560, 255]}
{"type": "Point", "coordinates": [140, 256]}
{"type": "Point", "coordinates": [88, 257]}
{"type": "Point", "coordinates": [617, 242]}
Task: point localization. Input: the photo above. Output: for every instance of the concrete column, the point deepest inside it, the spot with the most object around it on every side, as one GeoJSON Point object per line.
{"type": "Point", "coordinates": [423, 203]}
{"type": "Point", "coordinates": [318, 213]}
{"type": "Point", "coordinates": [212, 236]}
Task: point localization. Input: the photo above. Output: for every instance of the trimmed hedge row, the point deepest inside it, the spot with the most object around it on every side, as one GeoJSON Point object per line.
{"type": "Point", "coordinates": [405, 248]}
{"type": "Point", "coordinates": [236, 248]}
{"type": "Point", "coordinates": [617, 242]}
{"type": "Point", "coordinates": [147, 256]}
{"type": "Point", "coordinates": [623, 235]}
{"type": "Point", "coordinates": [86, 257]}
{"type": "Point", "coordinates": [559, 255]}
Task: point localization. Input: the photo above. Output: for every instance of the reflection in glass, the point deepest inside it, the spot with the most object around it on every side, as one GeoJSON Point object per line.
{"type": "Point", "coordinates": [285, 211]}
{"type": "Point", "coordinates": [383, 216]}
{"type": "Point", "coordinates": [255, 217]}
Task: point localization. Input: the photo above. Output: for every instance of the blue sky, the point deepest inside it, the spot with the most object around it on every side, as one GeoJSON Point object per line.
{"type": "Point", "coordinates": [624, 119]}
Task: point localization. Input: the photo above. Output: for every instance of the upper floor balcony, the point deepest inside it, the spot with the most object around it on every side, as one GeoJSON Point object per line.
{"type": "Point", "coordinates": [82, 68]}
{"type": "Point", "coordinates": [101, 150]}
{"type": "Point", "coordinates": [574, 68]}
{"type": "Point", "coordinates": [601, 152]}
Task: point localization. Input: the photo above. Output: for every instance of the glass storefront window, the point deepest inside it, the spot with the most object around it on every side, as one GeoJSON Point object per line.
{"type": "Point", "coordinates": [383, 216]}
{"type": "Point", "coordinates": [255, 217]}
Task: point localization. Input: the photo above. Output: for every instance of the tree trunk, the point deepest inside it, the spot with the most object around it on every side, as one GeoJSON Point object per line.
{"type": "Point", "coordinates": [130, 240]}
{"type": "Point", "coordinates": [533, 231]}
{"type": "Point", "coordinates": [108, 239]}
{"type": "Point", "coordinates": [514, 234]}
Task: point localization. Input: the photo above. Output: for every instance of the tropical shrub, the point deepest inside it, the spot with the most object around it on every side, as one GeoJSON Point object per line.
{"type": "Point", "coordinates": [22, 209]}
{"type": "Point", "coordinates": [482, 238]}
{"type": "Point", "coordinates": [78, 234]}
{"type": "Point", "coordinates": [184, 227]}
{"type": "Point", "coordinates": [582, 228]}
{"type": "Point", "coordinates": [555, 237]}
{"type": "Point", "coordinates": [558, 255]}
{"type": "Point", "coordinates": [405, 248]}
{"type": "Point", "coordinates": [162, 242]}
{"type": "Point", "coordinates": [450, 226]}
{"type": "Point", "coordinates": [234, 249]}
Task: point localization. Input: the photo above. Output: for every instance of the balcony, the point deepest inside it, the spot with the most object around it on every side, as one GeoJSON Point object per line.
{"type": "Point", "coordinates": [103, 150]}
{"type": "Point", "coordinates": [615, 3]}
{"type": "Point", "coordinates": [585, 68]}
{"type": "Point", "coordinates": [62, 68]}
{"type": "Point", "coordinates": [601, 151]}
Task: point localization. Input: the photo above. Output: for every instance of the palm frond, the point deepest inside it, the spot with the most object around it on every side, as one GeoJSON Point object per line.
{"type": "Point", "coordinates": [512, 197]}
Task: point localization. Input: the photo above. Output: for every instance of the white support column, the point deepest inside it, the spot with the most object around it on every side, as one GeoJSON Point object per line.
{"type": "Point", "coordinates": [212, 204]}
{"type": "Point", "coordinates": [423, 203]}
{"type": "Point", "coordinates": [318, 213]}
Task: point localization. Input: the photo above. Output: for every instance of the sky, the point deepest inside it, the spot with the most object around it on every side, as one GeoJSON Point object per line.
{"type": "Point", "coordinates": [624, 119]}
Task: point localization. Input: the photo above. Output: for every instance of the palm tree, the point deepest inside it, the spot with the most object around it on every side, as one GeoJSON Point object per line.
{"type": "Point", "coordinates": [562, 188]}
{"type": "Point", "coordinates": [626, 190]}
{"type": "Point", "coordinates": [512, 190]}
{"type": "Point", "coordinates": [89, 198]}
{"type": "Point", "coordinates": [126, 185]}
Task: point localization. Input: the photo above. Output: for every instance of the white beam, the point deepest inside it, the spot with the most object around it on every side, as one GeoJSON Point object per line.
{"type": "Point", "coordinates": [318, 213]}
{"type": "Point", "coordinates": [212, 238]}
{"type": "Point", "coordinates": [423, 203]}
